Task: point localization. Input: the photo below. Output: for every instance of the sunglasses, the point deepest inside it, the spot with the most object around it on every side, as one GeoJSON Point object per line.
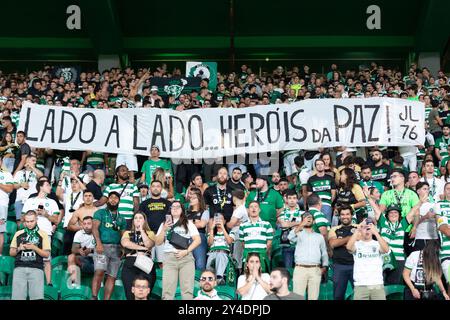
{"type": "Point", "coordinates": [210, 279]}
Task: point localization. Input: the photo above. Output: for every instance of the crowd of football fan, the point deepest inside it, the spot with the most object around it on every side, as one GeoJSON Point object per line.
{"type": "Point", "coordinates": [361, 223]}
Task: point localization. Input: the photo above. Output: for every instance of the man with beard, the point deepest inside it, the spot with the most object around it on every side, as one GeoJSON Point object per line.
{"type": "Point", "coordinates": [367, 181]}
{"type": "Point", "coordinates": [338, 237]}
{"type": "Point", "coordinates": [324, 186]}
{"type": "Point", "coordinates": [218, 197]}
{"type": "Point", "coordinates": [156, 209]}
{"type": "Point", "coordinates": [128, 195]}
{"type": "Point", "coordinates": [279, 285]}
{"type": "Point", "coordinates": [436, 184]}
{"type": "Point", "coordinates": [207, 284]}
{"type": "Point", "coordinates": [270, 201]}
{"type": "Point", "coordinates": [235, 182]}
{"type": "Point", "coordinates": [275, 181]}
{"type": "Point", "coordinates": [380, 170]}
{"type": "Point", "coordinates": [107, 229]}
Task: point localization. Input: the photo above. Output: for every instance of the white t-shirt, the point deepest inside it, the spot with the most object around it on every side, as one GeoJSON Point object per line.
{"type": "Point", "coordinates": [368, 267]}
{"type": "Point", "coordinates": [256, 291]}
{"type": "Point", "coordinates": [241, 214]}
{"type": "Point", "coordinates": [77, 199]}
{"type": "Point", "coordinates": [25, 176]}
{"type": "Point", "coordinates": [438, 186]}
{"type": "Point", "coordinates": [427, 229]}
{"type": "Point", "coordinates": [192, 231]}
{"type": "Point", "coordinates": [49, 204]}
{"type": "Point", "coordinates": [407, 151]}
{"type": "Point", "coordinates": [84, 240]}
{"type": "Point", "coordinates": [5, 178]}
{"type": "Point", "coordinates": [304, 175]}
{"type": "Point", "coordinates": [411, 263]}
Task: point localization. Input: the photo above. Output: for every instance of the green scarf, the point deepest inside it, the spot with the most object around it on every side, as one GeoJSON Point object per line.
{"type": "Point", "coordinates": [32, 235]}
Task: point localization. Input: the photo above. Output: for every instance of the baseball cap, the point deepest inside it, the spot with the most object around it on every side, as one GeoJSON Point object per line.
{"type": "Point", "coordinates": [393, 207]}
{"type": "Point", "coordinates": [155, 146]}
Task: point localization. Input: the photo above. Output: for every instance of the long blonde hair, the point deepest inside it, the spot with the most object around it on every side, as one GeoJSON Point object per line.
{"type": "Point", "coordinates": [160, 175]}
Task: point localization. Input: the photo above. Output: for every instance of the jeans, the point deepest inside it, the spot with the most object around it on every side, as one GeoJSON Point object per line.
{"type": "Point", "coordinates": [342, 274]}
{"type": "Point", "coordinates": [18, 206]}
{"type": "Point", "coordinates": [288, 256]}
{"type": "Point", "coordinates": [200, 253]}
{"type": "Point", "coordinates": [328, 212]}
{"type": "Point", "coordinates": [410, 162]}
{"type": "Point", "coordinates": [9, 164]}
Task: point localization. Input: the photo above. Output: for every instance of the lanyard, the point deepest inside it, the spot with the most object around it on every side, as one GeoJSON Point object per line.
{"type": "Point", "coordinates": [433, 186]}
{"type": "Point", "coordinates": [398, 197]}
{"type": "Point", "coordinates": [221, 195]}
{"type": "Point", "coordinates": [111, 216]}
{"type": "Point", "coordinates": [72, 201]}
{"type": "Point", "coordinates": [260, 197]}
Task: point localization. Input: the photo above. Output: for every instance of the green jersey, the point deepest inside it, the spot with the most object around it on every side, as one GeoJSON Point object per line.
{"type": "Point", "coordinates": [371, 183]}
{"type": "Point", "coordinates": [128, 191]}
{"type": "Point", "coordinates": [322, 186]}
{"type": "Point", "coordinates": [444, 208]}
{"type": "Point", "coordinates": [95, 158]}
{"type": "Point", "coordinates": [269, 202]}
{"type": "Point", "coordinates": [319, 220]}
{"type": "Point", "coordinates": [407, 199]}
{"type": "Point", "coordinates": [255, 235]}
{"type": "Point", "coordinates": [394, 235]}
{"type": "Point", "coordinates": [290, 216]}
{"type": "Point", "coordinates": [150, 165]}
{"type": "Point", "coordinates": [109, 222]}
{"type": "Point", "coordinates": [444, 252]}
{"type": "Point", "coordinates": [442, 144]}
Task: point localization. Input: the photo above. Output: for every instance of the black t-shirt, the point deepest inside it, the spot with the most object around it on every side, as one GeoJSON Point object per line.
{"type": "Point", "coordinates": [341, 254]}
{"type": "Point", "coordinates": [96, 190]}
{"type": "Point", "coordinates": [24, 149]}
{"type": "Point", "coordinates": [155, 210]}
{"type": "Point", "coordinates": [214, 197]}
{"type": "Point", "coordinates": [381, 174]}
{"type": "Point", "coordinates": [195, 215]}
{"type": "Point", "coordinates": [235, 186]}
{"type": "Point", "coordinates": [29, 258]}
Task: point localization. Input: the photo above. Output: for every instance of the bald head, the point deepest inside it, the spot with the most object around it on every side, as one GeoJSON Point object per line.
{"type": "Point", "coordinates": [99, 175]}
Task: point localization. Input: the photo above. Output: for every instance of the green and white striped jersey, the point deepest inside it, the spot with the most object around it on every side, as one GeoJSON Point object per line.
{"type": "Point", "coordinates": [394, 235]}
{"type": "Point", "coordinates": [319, 220]}
{"type": "Point", "coordinates": [444, 208]}
{"type": "Point", "coordinates": [220, 243]}
{"type": "Point", "coordinates": [444, 252]}
{"type": "Point", "coordinates": [255, 235]}
{"type": "Point", "coordinates": [95, 158]}
{"type": "Point", "coordinates": [322, 186]}
{"type": "Point", "coordinates": [126, 199]}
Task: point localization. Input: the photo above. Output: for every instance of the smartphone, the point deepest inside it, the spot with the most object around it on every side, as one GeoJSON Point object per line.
{"type": "Point", "coordinates": [169, 218]}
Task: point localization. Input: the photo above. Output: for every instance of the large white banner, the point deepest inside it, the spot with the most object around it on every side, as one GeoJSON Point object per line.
{"type": "Point", "coordinates": [212, 133]}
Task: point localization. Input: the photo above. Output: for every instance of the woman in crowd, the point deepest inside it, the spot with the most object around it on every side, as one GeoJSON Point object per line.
{"type": "Point", "coordinates": [8, 149]}
{"type": "Point", "coordinates": [329, 166]}
{"type": "Point", "coordinates": [138, 241]}
{"type": "Point", "coordinates": [350, 193]}
{"type": "Point", "coordinates": [373, 196]}
{"type": "Point", "coordinates": [200, 217]}
{"type": "Point", "coordinates": [167, 183]}
{"type": "Point", "coordinates": [180, 237]}
{"type": "Point", "coordinates": [422, 271]}
{"type": "Point", "coordinates": [253, 285]}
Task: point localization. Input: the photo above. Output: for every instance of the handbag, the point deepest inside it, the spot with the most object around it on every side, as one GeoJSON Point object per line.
{"type": "Point", "coordinates": [177, 241]}
{"type": "Point", "coordinates": [144, 262]}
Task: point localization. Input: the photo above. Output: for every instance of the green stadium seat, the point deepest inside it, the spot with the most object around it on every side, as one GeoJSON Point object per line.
{"type": "Point", "coordinates": [118, 293]}
{"type": "Point", "coordinates": [50, 293]}
{"type": "Point", "coordinates": [59, 261]}
{"type": "Point", "coordinates": [76, 293]}
{"type": "Point", "coordinates": [326, 291]}
{"type": "Point", "coordinates": [349, 292]}
{"type": "Point", "coordinates": [11, 229]}
{"type": "Point", "coordinates": [6, 269]}
{"type": "Point", "coordinates": [226, 292]}
{"type": "Point", "coordinates": [394, 292]}
{"type": "Point", "coordinates": [5, 292]}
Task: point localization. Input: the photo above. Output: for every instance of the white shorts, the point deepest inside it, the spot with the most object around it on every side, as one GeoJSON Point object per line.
{"type": "Point", "coordinates": [289, 165]}
{"type": "Point", "coordinates": [446, 270]}
{"type": "Point", "coordinates": [127, 159]}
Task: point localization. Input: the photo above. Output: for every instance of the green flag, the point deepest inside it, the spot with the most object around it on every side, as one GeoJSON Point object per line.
{"type": "Point", "coordinates": [203, 70]}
